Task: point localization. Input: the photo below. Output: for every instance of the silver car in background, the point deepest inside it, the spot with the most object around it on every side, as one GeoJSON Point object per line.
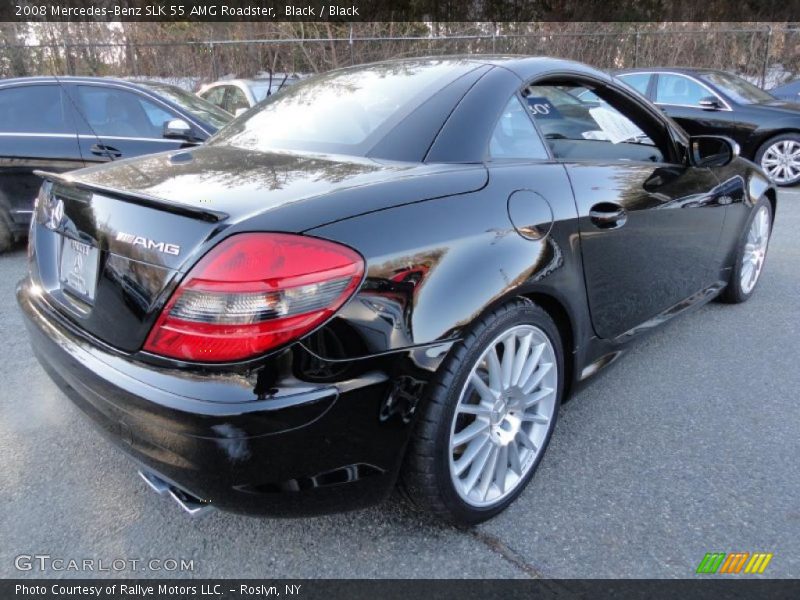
{"type": "Point", "coordinates": [238, 95]}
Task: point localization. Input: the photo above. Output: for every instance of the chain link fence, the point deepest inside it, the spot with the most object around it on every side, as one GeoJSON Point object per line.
{"type": "Point", "coordinates": [766, 56]}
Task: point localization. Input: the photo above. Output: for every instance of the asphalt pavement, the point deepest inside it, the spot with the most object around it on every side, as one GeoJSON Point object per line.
{"type": "Point", "coordinates": [689, 444]}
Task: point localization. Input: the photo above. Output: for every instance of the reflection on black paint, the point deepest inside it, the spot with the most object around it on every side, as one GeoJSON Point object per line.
{"type": "Point", "coordinates": [660, 256]}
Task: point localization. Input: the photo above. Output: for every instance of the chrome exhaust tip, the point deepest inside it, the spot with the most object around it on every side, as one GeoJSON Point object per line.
{"type": "Point", "coordinates": [191, 504]}
{"type": "Point", "coordinates": [158, 485]}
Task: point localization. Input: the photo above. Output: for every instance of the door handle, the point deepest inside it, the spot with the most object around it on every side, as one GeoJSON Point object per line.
{"type": "Point", "coordinates": [607, 215]}
{"type": "Point", "coordinates": [107, 151]}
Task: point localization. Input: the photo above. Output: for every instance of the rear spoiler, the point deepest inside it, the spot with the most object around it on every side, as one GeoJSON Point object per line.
{"type": "Point", "coordinates": [141, 199]}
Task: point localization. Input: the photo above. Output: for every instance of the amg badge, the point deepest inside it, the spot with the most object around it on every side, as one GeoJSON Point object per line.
{"type": "Point", "coordinates": [138, 240]}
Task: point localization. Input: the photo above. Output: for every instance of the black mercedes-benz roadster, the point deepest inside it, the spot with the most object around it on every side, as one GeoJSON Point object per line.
{"type": "Point", "coordinates": [387, 274]}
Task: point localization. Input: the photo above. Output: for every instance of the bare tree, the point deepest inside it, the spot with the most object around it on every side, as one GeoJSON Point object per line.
{"type": "Point", "coordinates": [205, 51]}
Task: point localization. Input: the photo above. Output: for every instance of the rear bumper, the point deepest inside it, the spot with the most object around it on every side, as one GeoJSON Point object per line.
{"type": "Point", "coordinates": [295, 449]}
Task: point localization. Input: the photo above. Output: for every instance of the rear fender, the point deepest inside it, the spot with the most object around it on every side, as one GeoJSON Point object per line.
{"type": "Point", "coordinates": [434, 267]}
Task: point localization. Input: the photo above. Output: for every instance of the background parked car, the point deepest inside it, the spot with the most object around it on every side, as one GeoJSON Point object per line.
{"type": "Point", "coordinates": [706, 101]}
{"type": "Point", "coordinates": [65, 124]}
{"type": "Point", "coordinates": [789, 91]}
{"type": "Point", "coordinates": [237, 95]}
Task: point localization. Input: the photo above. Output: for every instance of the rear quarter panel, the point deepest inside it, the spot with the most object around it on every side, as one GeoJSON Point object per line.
{"type": "Point", "coordinates": [761, 129]}
{"type": "Point", "coordinates": [434, 267]}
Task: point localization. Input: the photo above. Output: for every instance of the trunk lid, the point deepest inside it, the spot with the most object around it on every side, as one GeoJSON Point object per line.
{"type": "Point", "coordinates": [106, 262]}
{"type": "Point", "coordinates": [240, 183]}
{"type": "Point", "coordinates": [110, 243]}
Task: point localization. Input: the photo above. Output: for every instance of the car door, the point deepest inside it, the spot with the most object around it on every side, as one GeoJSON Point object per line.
{"type": "Point", "coordinates": [37, 131]}
{"type": "Point", "coordinates": [649, 223]}
{"type": "Point", "coordinates": [679, 96]}
{"type": "Point", "coordinates": [118, 122]}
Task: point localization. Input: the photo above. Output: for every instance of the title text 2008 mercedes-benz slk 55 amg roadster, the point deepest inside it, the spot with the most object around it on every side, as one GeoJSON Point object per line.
{"type": "Point", "coordinates": [387, 274]}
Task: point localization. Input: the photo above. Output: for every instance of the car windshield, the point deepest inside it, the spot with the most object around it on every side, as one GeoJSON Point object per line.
{"type": "Point", "coordinates": [260, 88]}
{"type": "Point", "coordinates": [194, 105]}
{"type": "Point", "coordinates": [342, 112]}
{"type": "Point", "coordinates": [738, 89]}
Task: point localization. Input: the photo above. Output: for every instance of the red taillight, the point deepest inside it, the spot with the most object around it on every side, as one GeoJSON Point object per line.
{"type": "Point", "coordinates": [254, 292]}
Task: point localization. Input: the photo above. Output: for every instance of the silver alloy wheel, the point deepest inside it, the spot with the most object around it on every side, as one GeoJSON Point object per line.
{"type": "Point", "coordinates": [781, 161]}
{"type": "Point", "coordinates": [755, 250]}
{"type": "Point", "coordinates": [503, 415]}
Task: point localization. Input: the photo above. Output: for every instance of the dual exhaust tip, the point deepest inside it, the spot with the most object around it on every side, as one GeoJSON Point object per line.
{"type": "Point", "coordinates": [191, 504]}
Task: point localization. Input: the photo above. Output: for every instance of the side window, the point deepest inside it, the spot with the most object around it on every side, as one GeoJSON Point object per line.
{"type": "Point", "coordinates": [677, 89]}
{"type": "Point", "coordinates": [117, 112]}
{"type": "Point", "coordinates": [638, 81]}
{"type": "Point", "coordinates": [215, 95]}
{"type": "Point", "coordinates": [612, 127]}
{"type": "Point", "coordinates": [34, 109]}
{"type": "Point", "coordinates": [225, 98]}
{"type": "Point", "coordinates": [157, 114]}
{"type": "Point", "coordinates": [235, 100]}
{"type": "Point", "coordinates": [588, 96]}
{"type": "Point", "coordinates": [515, 136]}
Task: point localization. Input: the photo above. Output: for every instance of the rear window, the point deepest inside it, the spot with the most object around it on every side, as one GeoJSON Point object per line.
{"type": "Point", "coordinates": [345, 111]}
{"type": "Point", "coordinates": [638, 81]}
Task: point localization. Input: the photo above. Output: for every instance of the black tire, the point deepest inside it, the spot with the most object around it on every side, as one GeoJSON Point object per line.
{"type": "Point", "coordinates": [733, 292]}
{"type": "Point", "coordinates": [794, 137]}
{"type": "Point", "coordinates": [425, 477]}
{"type": "Point", "coordinates": [6, 236]}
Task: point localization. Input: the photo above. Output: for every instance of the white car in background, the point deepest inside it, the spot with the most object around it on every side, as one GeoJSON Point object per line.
{"type": "Point", "coordinates": [238, 95]}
